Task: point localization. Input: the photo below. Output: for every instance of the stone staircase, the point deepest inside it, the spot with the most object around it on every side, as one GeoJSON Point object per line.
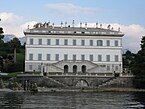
{"type": "Point", "coordinates": [55, 67]}
{"type": "Point", "coordinates": [54, 81]}
{"type": "Point", "coordinates": [77, 61]}
{"type": "Point", "coordinates": [107, 82]}
{"type": "Point", "coordinates": [88, 70]}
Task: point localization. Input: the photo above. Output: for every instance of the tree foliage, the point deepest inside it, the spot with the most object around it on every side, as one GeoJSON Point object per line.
{"type": "Point", "coordinates": [14, 44]}
{"type": "Point", "coordinates": [1, 36]}
{"type": "Point", "coordinates": [128, 59]}
{"type": "Point", "coordinates": [1, 44]}
{"type": "Point", "coordinates": [1, 32]}
{"type": "Point", "coordinates": [139, 66]}
{"type": "Point", "coordinates": [8, 53]}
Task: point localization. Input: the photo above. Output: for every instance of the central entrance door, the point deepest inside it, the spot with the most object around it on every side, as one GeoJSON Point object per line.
{"type": "Point", "coordinates": [75, 69]}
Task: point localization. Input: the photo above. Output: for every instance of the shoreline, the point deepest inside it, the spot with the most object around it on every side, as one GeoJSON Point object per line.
{"type": "Point", "coordinates": [90, 90]}
{"type": "Point", "coordinates": [85, 90]}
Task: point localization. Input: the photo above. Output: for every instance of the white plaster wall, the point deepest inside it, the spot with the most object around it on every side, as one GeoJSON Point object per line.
{"type": "Point", "coordinates": [78, 50]}
{"type": "Point", "coordinates": [73, 51]}
{"type": "Point", "coordinates": [78, 38]}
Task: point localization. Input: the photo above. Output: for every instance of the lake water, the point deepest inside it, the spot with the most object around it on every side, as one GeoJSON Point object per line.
{"type": "Point", "coordinates": [72, 100]}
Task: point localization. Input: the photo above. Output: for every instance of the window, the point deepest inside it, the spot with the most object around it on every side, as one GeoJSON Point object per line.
{"type": "Point", "coordinates": [39, 67]}
{"type": "Point", "coordinates": [82, 42]}
{"type": "Point", "coordinates": [74, 57]}
{"type": "Point", "coordinates": [57, 57]}
{"type": "Point", "coordinates": [91, 57]}
{"type": "Point", "coordinates": [108, 43]}
{"type": "Point", "coordinates": [57, 41]}
{"type": "Point", "coordinates": [31, 41]}
{"type": "Point", "coordinates": [99, 58]}
{"type": "Point", "coordinates": [108, 58]}
{"type": "Point", "coordinates": [48, 41]}
{"type": "Point", "coordinates": [30, 57]}
{"type": "Point", "coordinates": [74, 42]}
{"type": "Point", "coordinates": [65, 42]}
{"type": "Point", "coordinates": [39, 57]}
{"type": "Point", "coordinates": [82, 57]}
{"type": "Point", "coordinates": [30, 67]}
{"type": "Point", "coordinates": [116, 58]}
{"type": "Point", "coordinates": [116, 42]}
{"type": "Point", "coordinates": [40, 41]}
{"type": "Point", "coordinates": [48, 57]}
{"type": "Point", "coordinates": [108, 68]}
{"type": "Point", "coordinates": [99, 43]}
{"type": "Point", "coordinates": [116, 68]}
{"type": "Point", "coordinates": [91, 42]}
{"type": "Point", "coordinates": [65, 57]}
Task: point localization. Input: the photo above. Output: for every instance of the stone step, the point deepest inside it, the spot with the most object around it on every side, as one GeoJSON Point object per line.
{"type": "Point", "coordinates": [108, 82]}
{"type": "Point", "coordinates": [53, 80]}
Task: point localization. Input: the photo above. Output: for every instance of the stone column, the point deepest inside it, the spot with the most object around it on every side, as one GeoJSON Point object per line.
{"type": "Point", "coordinates": [42, 67]}
{"type": "Point", "coordinates": [113, 69]}
{"type": "Point", "coordinates": [120, 68]}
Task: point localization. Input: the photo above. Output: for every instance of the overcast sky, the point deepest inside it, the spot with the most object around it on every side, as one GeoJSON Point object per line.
{"type": "Point", "coordinates": [129, 15]}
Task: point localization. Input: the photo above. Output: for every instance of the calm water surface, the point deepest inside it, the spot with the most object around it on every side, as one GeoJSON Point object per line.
{"type": "Point", "coordinates": [71, 100]}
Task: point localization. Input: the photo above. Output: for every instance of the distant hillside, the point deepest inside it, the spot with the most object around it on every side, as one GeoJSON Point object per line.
{"type": "Point", "coordinates": [9, 37]}
{"type": "Point", "coordinates": [22, 40]}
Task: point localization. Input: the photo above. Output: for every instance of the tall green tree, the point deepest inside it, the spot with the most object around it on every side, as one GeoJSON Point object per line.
{"type": "Point", "coordinates": [1, 32]}
{"type": "Point", "coordinates": [139, 66]}
{"type": "Point", "coordinates": [15, 43]}
{"type": "Point", "coordinates": [1, 36]}
{"type": "Point", "coordinates": [128, 59]}
{"type": "Point", "coordinates": [1, 45]}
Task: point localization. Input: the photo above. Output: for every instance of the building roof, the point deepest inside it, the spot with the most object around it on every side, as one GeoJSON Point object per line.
{"type": "Point", "coordinates": [45, 29]}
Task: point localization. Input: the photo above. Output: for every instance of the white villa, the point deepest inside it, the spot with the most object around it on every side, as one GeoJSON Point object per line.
{"type": "Point", "coordinates": [69, 50]}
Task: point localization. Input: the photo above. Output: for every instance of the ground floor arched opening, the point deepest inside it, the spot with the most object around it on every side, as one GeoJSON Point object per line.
{"type": "Point", "coordinates": [83, 69]}
{"type": "Point", "coordinates": [82, 83]}
{"type": "Point", "coordinates": [75, 69]}
{"type": "Point", "coordinates": [66, 69]}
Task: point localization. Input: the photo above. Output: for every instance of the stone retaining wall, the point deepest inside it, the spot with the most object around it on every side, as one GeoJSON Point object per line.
{"type": "Point", "coordinates": [72, 81]}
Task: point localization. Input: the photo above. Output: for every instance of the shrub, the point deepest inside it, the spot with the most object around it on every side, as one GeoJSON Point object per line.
{"type": "Point", "coordinates": [14, 67]}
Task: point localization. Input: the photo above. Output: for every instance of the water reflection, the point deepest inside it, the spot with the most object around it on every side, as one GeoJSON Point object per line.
{"type": "Point", "coordinates": [138, 101]}
{"type": "Point", "coordinates": [65, 100]}
{"type": "Point", "coordinates": [11, 100]}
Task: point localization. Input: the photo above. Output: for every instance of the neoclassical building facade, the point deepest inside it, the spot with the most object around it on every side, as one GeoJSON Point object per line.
{"type": "Point", "coordinates": [66, 50]}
